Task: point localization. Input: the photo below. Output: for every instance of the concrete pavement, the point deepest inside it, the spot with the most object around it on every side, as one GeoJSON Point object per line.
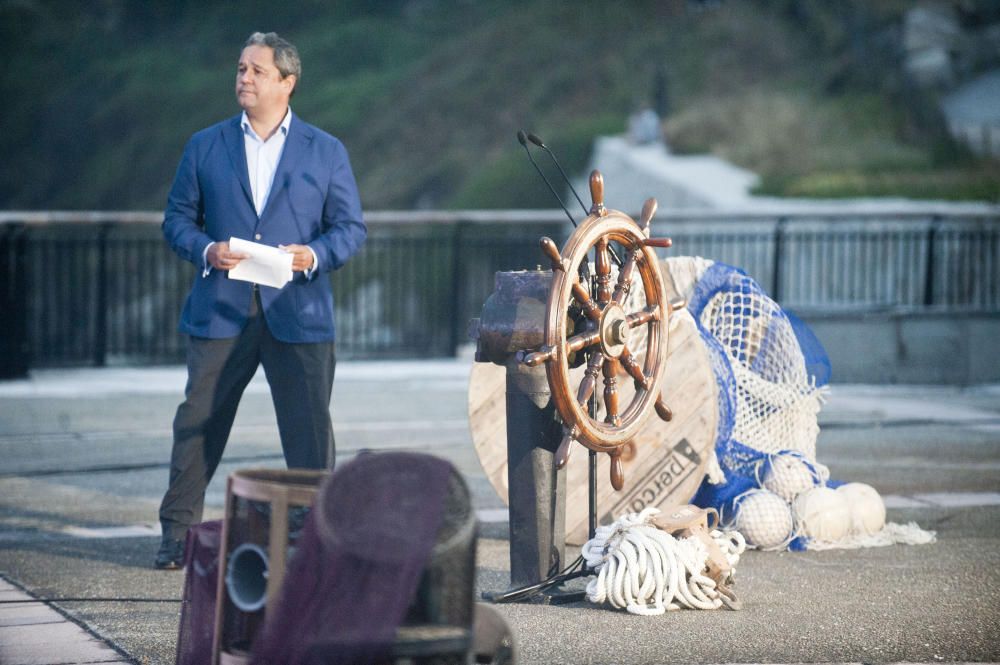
{"type": "Point", "coordinates": [83, 462]}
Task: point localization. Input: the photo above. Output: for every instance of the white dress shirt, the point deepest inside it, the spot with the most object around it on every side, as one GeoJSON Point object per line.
{"type": "Point", "coordinates": [262, 157]}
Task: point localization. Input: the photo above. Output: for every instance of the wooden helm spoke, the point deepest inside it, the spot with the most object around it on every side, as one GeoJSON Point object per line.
{"type": "Point", "coordinates": [646, 216]}
{"type": "Point", "coordinates": [642, 317]}
{"type": "Point", "coordinates": [597, 194]}
{"type": "Point", "coordinates": [631, 366]}
{"type": "Point", "coordinates": [625, 275]}
{"type": "Point", "coordinates": [611, 369]}
{"type": "Point", "coordinates": [602, 262]}
{"type": "Point", "coordinates": [566, 446]}
{"type": "Point", "coordinates": [582, 341]}
{"type": "Point", "coordinates": [552, 253]}
{"type": "Point", "coordinates": [536, 358]}
{"type": "Point", "coordinates": [589, 382]}
{"type": "Point", "coordinates": [662, 410]}
{"type": "Point", "coordinates": [590, 308]}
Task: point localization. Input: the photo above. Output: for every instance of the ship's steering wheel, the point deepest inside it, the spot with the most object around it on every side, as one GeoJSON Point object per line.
{"type": "Point", "coordinates": [587, 320]}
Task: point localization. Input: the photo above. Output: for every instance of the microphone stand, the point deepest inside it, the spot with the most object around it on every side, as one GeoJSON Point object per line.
{"type": "Point", "coordinates": [578, 568]}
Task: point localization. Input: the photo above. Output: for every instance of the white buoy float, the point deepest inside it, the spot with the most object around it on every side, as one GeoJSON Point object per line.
{"type": "Point", "coordinates": [822, 513]}
{"type": "Point", "coordinates": [764, 519]}
{"type": "Point", "coordinates": [866, 507]}
{"type": "Point", "coordinates": [789, 473]}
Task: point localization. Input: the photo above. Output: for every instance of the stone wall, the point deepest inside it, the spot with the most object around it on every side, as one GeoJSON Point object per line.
{"type": "Point", "coordinates": [909, 347]}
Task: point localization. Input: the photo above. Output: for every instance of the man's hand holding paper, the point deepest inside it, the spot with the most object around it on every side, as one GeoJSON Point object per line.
{"type": "Point", "coordinates": [261, 264]}
{"type": "Point", "coordinates": [221, 257]}
{"type": "Point", "coordinates": [304, 257]}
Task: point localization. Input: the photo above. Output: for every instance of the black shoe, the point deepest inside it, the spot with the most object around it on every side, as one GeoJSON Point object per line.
{"type": "Point", "coordinates": [171, 554]}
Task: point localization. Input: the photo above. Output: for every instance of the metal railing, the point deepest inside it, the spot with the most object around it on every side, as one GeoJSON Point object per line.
{"type": "Point", "coordinates": [103, 288]}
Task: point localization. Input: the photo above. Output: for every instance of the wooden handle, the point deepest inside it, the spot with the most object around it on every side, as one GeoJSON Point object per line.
{"type": "Point", "coordinates": [657, 242]}
{"type": "Point", "coordinates": [648, 210]}
{"type": "Point", "coordinates": [596, 192]}
{"type": "Point", "coordinates": [562, 452]}
{"type": "Point", "coordinates": [536, 358]}
{"type": "Point", "coordinates": [552, 252]}
{"type": "Point", "coordinates": [662, 410]}
{"type": "Point", "coordinates": [617, 470]}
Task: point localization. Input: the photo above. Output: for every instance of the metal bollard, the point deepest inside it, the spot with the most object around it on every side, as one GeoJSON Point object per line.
{"type": "Point", "coordinates": [513, 319]}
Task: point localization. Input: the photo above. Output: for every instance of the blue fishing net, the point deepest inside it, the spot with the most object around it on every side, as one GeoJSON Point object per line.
{"type": "Point", "coordinates": [767, 364]}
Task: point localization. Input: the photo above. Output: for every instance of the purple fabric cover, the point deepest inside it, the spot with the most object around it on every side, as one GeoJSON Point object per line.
{"type": "Point", "coordinates": [358, 563]}
{"type": "Point", "coordinates": [201, 574]}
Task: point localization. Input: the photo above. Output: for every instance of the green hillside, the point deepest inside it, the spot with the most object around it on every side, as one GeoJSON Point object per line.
{"type": "Point", "coordinates": [428, 95]}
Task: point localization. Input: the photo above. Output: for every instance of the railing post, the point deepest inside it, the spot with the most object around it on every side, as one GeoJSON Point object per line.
{"type": "Point", "coordinates": [932, 233]}
{"type": "Point", "coordinates": [457, 328]}
{"type": "Point", "coordinates": [779, 258]}
{"type": "Point", "coordinates": [101, 301]}
{"type": "Point", "coordinates": [13, 302]}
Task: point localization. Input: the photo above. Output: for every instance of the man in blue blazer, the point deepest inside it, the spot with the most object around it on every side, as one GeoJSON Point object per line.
{"type": "Point", "coordinates": [268, 177]}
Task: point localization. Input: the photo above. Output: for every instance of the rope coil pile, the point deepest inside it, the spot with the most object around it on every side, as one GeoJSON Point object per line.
{"type": "Point", "coordinates": [646, 571]}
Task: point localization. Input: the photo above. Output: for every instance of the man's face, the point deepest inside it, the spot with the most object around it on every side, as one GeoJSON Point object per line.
{"type": "Point", "coordinates": [259, 86]}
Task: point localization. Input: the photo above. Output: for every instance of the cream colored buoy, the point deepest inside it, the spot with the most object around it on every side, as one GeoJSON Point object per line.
{"type": "Point", "coordinates": [866, 507]}
{"type": "Point", "coordinates": [822, 513]}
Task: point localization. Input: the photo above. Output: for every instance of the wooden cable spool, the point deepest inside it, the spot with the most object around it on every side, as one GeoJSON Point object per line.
{"type": "Point", "coordinates": [664, 462]}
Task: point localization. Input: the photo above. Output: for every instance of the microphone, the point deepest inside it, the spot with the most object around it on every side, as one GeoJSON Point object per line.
{"type": "Point", "coordinates": [537, 141]}
{"type": "Point", "coordinates": [522, 138]}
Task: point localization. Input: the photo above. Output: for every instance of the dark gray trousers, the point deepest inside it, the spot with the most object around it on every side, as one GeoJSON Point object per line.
{"type": "Point", "coordinates": [301, 381]}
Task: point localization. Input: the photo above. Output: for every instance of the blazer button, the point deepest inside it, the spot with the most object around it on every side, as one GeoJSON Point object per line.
{"type": "Point", "coordinates": [257, 237]}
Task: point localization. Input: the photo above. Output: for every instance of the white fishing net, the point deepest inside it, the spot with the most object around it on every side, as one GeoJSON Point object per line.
{"type": "Point", "coordinates": [771, 374]}
{"type": "Point", "coordinates": [777, 402]}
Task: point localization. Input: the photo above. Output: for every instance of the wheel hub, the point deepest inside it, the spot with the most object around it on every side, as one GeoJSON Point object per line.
{"type": "Point", "coordinates": [614, 330]}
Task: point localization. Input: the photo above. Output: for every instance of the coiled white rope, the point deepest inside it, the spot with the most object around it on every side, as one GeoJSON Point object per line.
{"type": "Point", "coordinates": [647, 571]}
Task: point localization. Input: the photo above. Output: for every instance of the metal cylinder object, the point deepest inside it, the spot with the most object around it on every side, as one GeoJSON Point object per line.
{"type": "Point", "coordinates": [246, 577]}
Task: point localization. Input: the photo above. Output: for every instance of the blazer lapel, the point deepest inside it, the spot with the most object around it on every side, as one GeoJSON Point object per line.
{"type": "Point", "coordinates": [299, 137]}
{"type": "Point", "coordinates": [233, 137]}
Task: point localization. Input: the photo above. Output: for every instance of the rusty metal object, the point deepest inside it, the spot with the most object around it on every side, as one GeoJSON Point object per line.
{"type": "Point", "coordinates": [513, 316]}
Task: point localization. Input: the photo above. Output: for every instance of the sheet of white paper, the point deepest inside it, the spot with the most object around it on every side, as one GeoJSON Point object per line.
{"type": "Point", "coordinates": [267, 265]}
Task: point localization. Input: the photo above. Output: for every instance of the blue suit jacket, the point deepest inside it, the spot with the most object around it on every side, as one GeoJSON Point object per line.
{"type": "Point", "coordinates": [313, 201]}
